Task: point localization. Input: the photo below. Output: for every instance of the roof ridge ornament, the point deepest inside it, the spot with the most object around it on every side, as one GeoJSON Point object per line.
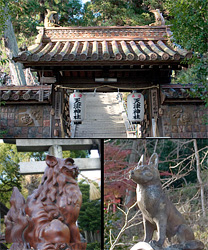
{"type": "Point", "coordinates": [159, 19]}
{"type": "Point", "coordinates": [51, 19]}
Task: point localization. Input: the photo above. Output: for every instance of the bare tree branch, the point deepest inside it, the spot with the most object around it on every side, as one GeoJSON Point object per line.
{"type": "Point", "coordinates": [199, 178]}
{"type": "Point", "coordinates": [125, 226]}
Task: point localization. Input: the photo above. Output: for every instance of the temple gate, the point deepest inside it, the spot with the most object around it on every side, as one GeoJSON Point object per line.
{"type": "Point", "coordinates": [102, 59]}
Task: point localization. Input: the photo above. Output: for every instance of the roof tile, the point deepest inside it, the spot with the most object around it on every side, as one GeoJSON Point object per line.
{"type": "Point", "coordinates": [138, 43]}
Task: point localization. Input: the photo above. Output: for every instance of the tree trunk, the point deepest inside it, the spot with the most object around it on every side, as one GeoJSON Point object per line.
{"type": "Point", "coordinates": [42, 11]}
{"type": "Point", "coordinates": [133, 158]}
{"type": "Point", "coordinates": [10, 43]}
{"type": "Point", "coordinates": [199, 178]}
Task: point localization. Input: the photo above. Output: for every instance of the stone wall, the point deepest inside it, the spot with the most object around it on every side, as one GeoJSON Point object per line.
{"type": "Point", "coordinates": [176, 120]}
{"type": "Point", "coordinates": [184, 120]}
{"type": "Point", "coordinates": [18, 121]}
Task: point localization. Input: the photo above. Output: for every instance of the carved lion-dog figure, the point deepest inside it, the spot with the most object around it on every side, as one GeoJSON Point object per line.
{"type": "Point", "coordinates": [158, 211]}
{"type": "Point", "coordinates": [47, 220]}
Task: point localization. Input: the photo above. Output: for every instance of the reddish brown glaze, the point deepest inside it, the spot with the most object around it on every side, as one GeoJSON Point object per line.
{"type": "Point", "coordinates": [47, 220]}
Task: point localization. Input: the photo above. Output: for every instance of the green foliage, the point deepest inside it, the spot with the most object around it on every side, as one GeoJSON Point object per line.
{"type": "Point", "coordinates": [9, 172]}
{"type": "Point", "coordinates": [196, 75]}
{"type": "Point", "coordinates": [24, 17]}
{"type": "Point", "coordinates": [3, 60]}
{"type": "Point", "coordinates": [9, 168]}
{"type": "Point", "coordinates": [189, 23]}
{"type": "Point", "coordinates": [90, 213]}
{"type": "Point", "coordinates": [3, 16]}
{"type": "Point", "coordinates": [75, 154]}
{"type": "Point", "coordinates": [188, 19]}
{"type": "Point", "coordinates": [154, 4]}
{"type": "Point", "coordinates": [4, 65]}
{"type": "Point", "coordinates": [89, 18]}
{"type": "Point", "coordinates": [120, 12]}
{"type": "Point", "coordinates": [3, 132]}
{"type": "Point", "coordinates": [93, 246]}
{"type": "Point", "coordinates": [27, 15]}
{"type": "Point", "coordinates": [71, 13]}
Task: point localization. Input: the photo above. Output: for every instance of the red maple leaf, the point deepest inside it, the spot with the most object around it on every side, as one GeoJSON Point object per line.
{"type": "Point", "coordinates": [116, 173]}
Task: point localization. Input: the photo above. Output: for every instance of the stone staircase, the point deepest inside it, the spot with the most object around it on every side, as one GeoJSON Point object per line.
{"type": "Point", "coordinates": [103, 117]}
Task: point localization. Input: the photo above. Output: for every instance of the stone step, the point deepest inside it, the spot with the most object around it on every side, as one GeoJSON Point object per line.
{"type": "Point", "coordinates": [97, 113]}
{"type": "Point", "coordinates": [110, 130]}
{"type": "Point", "coordinates": [103, 117]}
{"type": "Point", "coordinates": [104, 122]}
{"type": "Point", "coordinates": [100, 135]}
{"type": "Point", "coordinates": [102, 127]}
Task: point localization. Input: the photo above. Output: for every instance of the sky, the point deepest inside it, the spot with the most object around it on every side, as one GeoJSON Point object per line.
{"type": "Point", "coordinates": [93, 175]}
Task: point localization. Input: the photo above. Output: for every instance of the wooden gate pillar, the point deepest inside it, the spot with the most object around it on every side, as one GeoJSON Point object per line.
{"type": "Point", "coordinates": [145, 124]}
{"type": "Point", "coordinates": [154, 111]}
{"type": "Point", "coordinates": [61, 123]}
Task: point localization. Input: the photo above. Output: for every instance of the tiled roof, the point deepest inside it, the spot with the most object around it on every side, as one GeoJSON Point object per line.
{"type": "Point", "coordinates": [178, 93]}
{"type": "Point", "coordinates": [25, 94]}
{"type": "Point", "coordinates": [137, 44]}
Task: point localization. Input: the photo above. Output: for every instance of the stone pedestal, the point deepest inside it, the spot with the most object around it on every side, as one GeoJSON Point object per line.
{"type": "Point", "coordinates": [188, 245]}
{"type": "Point", "coordinates": [142, 246]}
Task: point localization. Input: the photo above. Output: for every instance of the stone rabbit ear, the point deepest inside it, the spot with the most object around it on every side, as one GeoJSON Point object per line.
{"type": "Point", "coordinates": [51, 161]}
{"type": "Point", "coordinates": [141, 161]}
{"type": "Point", "coordinates": [154, 160]}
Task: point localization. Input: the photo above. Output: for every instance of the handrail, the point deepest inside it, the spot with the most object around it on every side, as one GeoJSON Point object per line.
{"type": "Point", "coordinates": [128, 124]}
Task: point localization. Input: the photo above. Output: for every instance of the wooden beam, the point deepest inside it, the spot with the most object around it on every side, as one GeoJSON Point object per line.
{"type": "Point", "coordinates": [115, 63]}
{"type": "Point", "coordinates": [146, 77]}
